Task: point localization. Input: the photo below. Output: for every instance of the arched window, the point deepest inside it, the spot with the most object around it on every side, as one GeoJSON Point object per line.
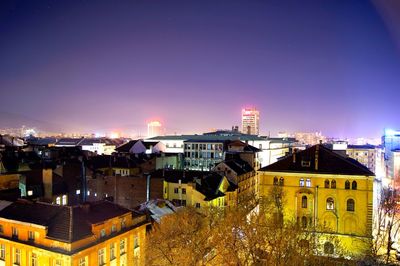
{"type": "Point", "coordinates": [347, 184]}
{"type": "Point", "coordinates": [329, 249]}
{"type": "Point", "coordinates": [281, 181]}
{"type": "Point", "coordinates": [354, 185]}
{"type": "Point", "coordinates": [350, 205]}
{"type": "Point", "coordinates": [304, 222]}
{"type": "Point", "coordinates": [330, 204]}
{"type": "Point", "coordinates": [304, 202]}
{"type": "Point", "coordinates": [301, 182]}
{"type": "Point", "coordinates": [275, 180]}
{"type": "Point", "coordinates": [333, 184]}
{"type": "Point", "coordinates": [327, 183]}
{"type": "Point", "coordinates": [304, 244]}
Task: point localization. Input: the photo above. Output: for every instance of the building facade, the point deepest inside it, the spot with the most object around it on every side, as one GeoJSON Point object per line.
{"type": "Point", "coordinates": [365, 154]}
{"type": "Point", "coordinates": [250, 121]}
{"type": "Point", "coordinates": [325, 192]}
{"type": "Point", "coordinates": [39, 234]}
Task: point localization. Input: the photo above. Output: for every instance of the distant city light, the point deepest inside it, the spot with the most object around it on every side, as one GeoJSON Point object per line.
{"type": "Point", "coordinates": [114, 135]}
{"type": "Point", "coordinates": [391, 132]}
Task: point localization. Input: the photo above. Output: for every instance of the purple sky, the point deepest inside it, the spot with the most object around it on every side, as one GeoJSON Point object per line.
{"type": "Point", "coordinates": [93, 66]}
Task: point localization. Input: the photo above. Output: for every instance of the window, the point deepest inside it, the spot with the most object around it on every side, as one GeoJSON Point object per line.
{"type": "Point", "coordinates": [2, 252]}
{"type": "Point", "coordinates": [350, 205]}
{"type": "Point", "coordinates": [330, 204]}
{"type": "Point", "coordinates": [58, 201]}
{"type": "Point", "coordinates": [17, 256]}
{"type": "Point", "coordinates": [326, 183]}
{"type": "Point", "coordinates": [176, 190]}
{"type": "Point", "coordinates": [308, 182]}
{"type": "Point", "coordinates": [102, 257]}
{"type": "Point", "coordinates": [103, 233]}
{"type": "Point", "coordinates": [136, 242]}
{"type": "Point", "coordinates": [301, 182]}
{"type": "Point", "coordinates": [82, 261]}
{"type": "Point", "coordinates": [304, 222]}
{"type": "Point", "coordinates": [281, 181]}
{"type": "Point", "coordinates": [183, 190]}
{"type": "Point", "coordinates": [347, 184]}
{"type": "Point", "coordinates": [57, 262]}
{"type": "Point", "coordinates": [304, 202]}
{"type": "Point", "coordinates": [305, 163]}
{"type": "Point", "coordinates": [275, 180]}
{"type": "Point", "coordinates": [354, 185]}
{"type": "Point", "coordinates": [34, 261]}
{"type": "Point", "coordinates": [123, 223]}
{"type": "Point", "coordinates": [31, 236]}
{"type": "Point", "coordinates": [14, 232]}
{"type": "Point", "coordinates": [1, 229]}
{"type": "Point", "coordinates": [112, 251]}
{"type": "Point", "coordinates": [78, 191]}
{"type": "Point", "coordinates": [113, 228]}
{"type": "Point", "coordinates": [122, 246]}
{"type": "Point", "coordinates": [329, 248]}
{"type": "Point", "coordinates": [64, 200]}
{"type": "Point", "coordinates": [30, 192]}
{"type": "Point", "coordinates": [198, 205]}
{"type": "Point", "coordinates": [184, 202]}
{"type": "Point", "coordinates": [333, 184]}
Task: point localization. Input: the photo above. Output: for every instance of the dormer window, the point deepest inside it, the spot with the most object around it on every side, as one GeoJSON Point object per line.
{"type": "Point", "coordinates": [305, 163]}
{"type": "Point", "coordinates": [103, 233]}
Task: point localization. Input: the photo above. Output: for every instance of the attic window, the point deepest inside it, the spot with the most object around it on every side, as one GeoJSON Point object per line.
{"type": "Point", "coordinates": [305, 163]}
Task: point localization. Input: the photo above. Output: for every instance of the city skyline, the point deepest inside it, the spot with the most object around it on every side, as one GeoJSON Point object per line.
{"type": "Point", "coordinates": [96, 66]}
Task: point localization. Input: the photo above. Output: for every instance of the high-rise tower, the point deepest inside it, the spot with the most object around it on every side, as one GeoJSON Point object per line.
{"type": "Point", "coordinates": [250, 121]}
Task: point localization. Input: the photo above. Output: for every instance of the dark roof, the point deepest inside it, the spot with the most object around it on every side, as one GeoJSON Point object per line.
{"type": "Point", "coordinates": [126, 146]}
{"type": "Point", "coordinates": [42, 141]}
{"type": "Point", "coordinates": [362, 147]}
{"type": "Point", "coordinates": [68, 141]}
{"type": "Point", "coordinates": [91, 141]}
{"type": "Point", "coordinates": [149, 144]}
{"type": "Point", "coordinates": [329, 162]}
{"type": "Point", "coordinates": [205, 140]}
{"type": "Point", "coordinates": [207, 136]}
{"type": "Point", "coordinates": [65, 223]}
{"type": "Point", "coordinates": [239, 166]}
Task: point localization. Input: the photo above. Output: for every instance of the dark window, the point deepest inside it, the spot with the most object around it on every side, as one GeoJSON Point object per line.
{"type": "Point", "coordinates": [304, 202]}
{"type": "Point", "coordinates": [176, 190]}
{"type": "Point", "coordinates": [350, 205]}
{"type": "Point", "coordinates": [275, 180]}
{"type": "Point", "coordinates": [304, 222]}
{"type": "Point", "coordinates": [183, 190]}
{"type": "Point", "coordinates": [347, 184]}
{"type": "Point", "coordinates": [327, 183]}
{"type": "Point", "coordinates": [198, 205]}
{"type": "Point", "coordinates": [329, 248]}
{"type": "Point", "coordinates": [354, 185]}
{"type": "Point", "coordinates": [333, 184]}
{"type": "Point", "coordinates": [281, 181]}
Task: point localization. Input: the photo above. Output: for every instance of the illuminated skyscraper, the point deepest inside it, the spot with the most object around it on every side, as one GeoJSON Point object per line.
{"type": "Point", "coordinates": [250, 121]}
{"type": "Point", "coordinates": [154, 128]}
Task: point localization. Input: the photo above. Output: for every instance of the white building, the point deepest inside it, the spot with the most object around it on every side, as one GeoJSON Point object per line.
{"type": "Point", "coordinates": [250, 121]}
{"type": "Point", "coordinates": [154, 128]}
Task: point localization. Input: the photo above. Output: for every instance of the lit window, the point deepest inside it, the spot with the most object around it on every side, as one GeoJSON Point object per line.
{"type": "Point", "coordinates": [122, 246]}
{"type": "Point", "coordinates": [88, 193]}
{"type": "Point", "coordinates": [304, 202]}
{"type": "Point", "coordinates": [30, 192]}
{"type": "Point", "coordinates": [301, 182]}
{"type": "Point", "coordinates": [112, 251]}
{"type": "Point", "coordinates": [82, 261]}
{"type": "Point", "coordinates": [330, 204]}
{"type": "Point", "coordinates": [2, 252]}
{"type": "Point", "coordinates": [102, 257]}
{"type": "Point", "coordinates": [64, 200]}
{"type": "Point", "coordinates": [58, 201]}
{"type": "Point", "coordinates": [123, 223]}
{"type": "Point", "coordinates": [350, 205]}
{"type": "Point", "coordinates": [103, 233]}
{"type": "Point", "coordinates": [308, 182]}
{"type": "Point", "coordinates": [78, 192]}
{"type": "Point", "coordinates": [113, 228]}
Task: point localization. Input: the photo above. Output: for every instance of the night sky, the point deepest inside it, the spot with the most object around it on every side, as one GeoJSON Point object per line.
{"type": "Point", "coordinates": [97, 66]}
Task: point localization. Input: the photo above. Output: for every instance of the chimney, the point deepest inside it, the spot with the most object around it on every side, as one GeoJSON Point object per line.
{"type": "Point", "coordinates": [316, 157]}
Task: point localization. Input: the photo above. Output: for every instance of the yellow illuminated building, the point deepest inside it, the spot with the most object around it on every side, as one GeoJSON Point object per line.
{"type": "Point", "coordinates": [198, 189]}
{"type": "Point", "coordinates": [328, 192]}
{"type": "Point", "coordinates": [100, 233]}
